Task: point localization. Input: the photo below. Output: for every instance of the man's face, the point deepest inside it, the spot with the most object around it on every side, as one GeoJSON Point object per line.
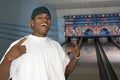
{"type": "Point", "coordinates": [41, 25]}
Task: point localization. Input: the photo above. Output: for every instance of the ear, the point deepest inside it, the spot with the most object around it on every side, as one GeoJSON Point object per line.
{"type": "Point", "coordinates": [31, 24]}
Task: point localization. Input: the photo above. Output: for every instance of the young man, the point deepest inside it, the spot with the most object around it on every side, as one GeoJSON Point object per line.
{"type": "Point", "coordinates": [36, 56]}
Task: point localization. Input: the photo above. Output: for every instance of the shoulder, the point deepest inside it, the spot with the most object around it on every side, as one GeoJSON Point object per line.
{"type": "Point", "coordinates": [54, 41]}
{"type": "Point", "coordinates": [16, 41]}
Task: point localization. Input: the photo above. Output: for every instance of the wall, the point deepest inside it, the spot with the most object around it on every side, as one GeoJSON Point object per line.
{"type": "Point", "coordinates": [100, 10]}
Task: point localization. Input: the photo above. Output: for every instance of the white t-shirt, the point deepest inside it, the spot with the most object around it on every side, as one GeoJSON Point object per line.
{"type": "Point", "coordinates": [44, 59]}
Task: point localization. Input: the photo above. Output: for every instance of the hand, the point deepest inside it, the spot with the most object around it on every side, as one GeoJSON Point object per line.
{"type": "Point", "coordinates": [75, 51]}
{"type": "Point", "coordinates": [16, 51]}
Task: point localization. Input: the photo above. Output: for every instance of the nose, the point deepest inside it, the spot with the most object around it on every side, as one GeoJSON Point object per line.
{"type": "Point", "coordinates": [44, 19]}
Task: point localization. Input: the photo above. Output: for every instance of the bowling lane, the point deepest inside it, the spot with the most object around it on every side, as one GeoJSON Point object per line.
{"type": "Point", "coordinates": [113, 54]}
{"type": "Point", "coordinates": [87, 68]}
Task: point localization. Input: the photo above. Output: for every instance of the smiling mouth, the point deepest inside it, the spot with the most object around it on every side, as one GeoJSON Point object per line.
{"type": "Point", "coordinates": [44, 25]}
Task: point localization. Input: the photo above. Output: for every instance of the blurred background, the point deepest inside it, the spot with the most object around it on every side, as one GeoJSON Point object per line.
{"type": "Point", "coordinates": [94, 24]}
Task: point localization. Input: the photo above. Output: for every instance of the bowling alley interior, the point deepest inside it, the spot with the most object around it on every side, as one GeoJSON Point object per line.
{"type": "Point", "coordinates": [93, 24]}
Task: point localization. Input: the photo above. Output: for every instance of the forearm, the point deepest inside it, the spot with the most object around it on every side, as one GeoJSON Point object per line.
{"type": "Point", "coordinates": [70, 67]}
{"type": "Point", "coordinates": [4, 70]}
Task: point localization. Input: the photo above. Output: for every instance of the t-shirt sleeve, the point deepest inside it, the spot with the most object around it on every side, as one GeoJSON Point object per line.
{"type": "Point", "coordinates": [5, 54]}
{"type": "Point", "coordinates": [64, 57]}
{"type": "Point", "coordinates": [8, 50]}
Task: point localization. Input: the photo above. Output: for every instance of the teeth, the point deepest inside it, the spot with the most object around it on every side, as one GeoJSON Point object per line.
{"type": "Point", "coordinates": [43, 24]}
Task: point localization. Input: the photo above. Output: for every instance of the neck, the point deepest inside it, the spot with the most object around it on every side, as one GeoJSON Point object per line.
{"type": "Point", "coordinates": [39, 35]}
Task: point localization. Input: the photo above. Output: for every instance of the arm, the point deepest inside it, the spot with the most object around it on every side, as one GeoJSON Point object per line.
{"type": "Point", "coordinates": [4, 70]}
{"type": "Point", "coordinates": [16, 51]}
{"type": "Point", "coordinates": [70, 67]}
{"type": "Point", "coordinates": [73, 62]}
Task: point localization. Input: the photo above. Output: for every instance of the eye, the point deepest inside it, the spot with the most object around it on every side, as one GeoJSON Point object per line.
{"type": "Point", "coordinates": [48, 18]}
{"type": "Point", "coordinates": [39, 17]}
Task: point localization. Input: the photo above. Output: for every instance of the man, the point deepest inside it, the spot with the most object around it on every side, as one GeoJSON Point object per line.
{"type": "Point", "coordinates": [36, 56]}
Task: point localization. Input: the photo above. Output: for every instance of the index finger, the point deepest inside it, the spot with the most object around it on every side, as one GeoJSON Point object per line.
{"type": "Point", "coordinates": [75, 45]}
{"type": "Point", "coordinates": [21, 41]}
